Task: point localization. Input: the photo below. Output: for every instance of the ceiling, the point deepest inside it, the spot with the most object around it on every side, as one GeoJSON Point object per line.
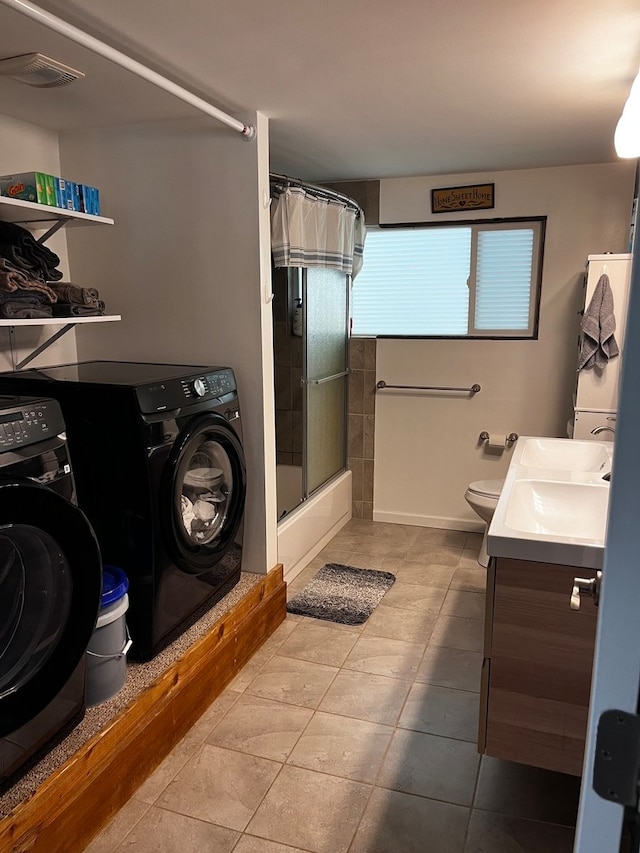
{"type": "Point", "coordinates": [369, 88]}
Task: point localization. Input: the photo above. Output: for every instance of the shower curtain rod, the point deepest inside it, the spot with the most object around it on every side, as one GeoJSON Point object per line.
{"type": "Point", "coordinates": [279, 184]}
{"type": "Point", "coordinates": [80, 37]}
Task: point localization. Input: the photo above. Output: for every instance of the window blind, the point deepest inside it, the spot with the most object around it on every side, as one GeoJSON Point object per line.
{"type": "Point", "coordinates": [503, 280]}
{"type": "Point", "coordinates": [413, 282]}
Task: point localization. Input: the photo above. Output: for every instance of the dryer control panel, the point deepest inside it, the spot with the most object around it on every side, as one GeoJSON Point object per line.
{"type": "Point", "coordinates": [174, 393]}
{"type": "Point", "coordinates": [210, 384]}
{"type": "Point", "coordinates": [28, 420]}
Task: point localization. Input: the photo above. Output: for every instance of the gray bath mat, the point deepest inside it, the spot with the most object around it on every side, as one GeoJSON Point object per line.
{"type": "Point", "coordinates": [342, 594]}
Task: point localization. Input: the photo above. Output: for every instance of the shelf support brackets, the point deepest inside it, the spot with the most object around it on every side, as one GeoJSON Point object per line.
{"type": "Point", "coordinates": [43, 346]}
{"type": "Point", "coordinates": [55, 227]}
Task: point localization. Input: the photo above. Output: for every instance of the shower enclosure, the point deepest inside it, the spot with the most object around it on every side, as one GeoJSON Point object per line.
{"type": "Point", "coordinates": [311, 336]}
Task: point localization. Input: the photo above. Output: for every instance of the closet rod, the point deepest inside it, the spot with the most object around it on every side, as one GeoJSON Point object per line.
{"type": "Point", "coordinates": [280, 183]}
{"type": "Point", "coordinates": [52, 22]}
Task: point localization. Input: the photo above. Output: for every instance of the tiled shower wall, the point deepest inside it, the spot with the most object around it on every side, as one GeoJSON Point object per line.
{"type": "Point", "coordinates": [362, 409]}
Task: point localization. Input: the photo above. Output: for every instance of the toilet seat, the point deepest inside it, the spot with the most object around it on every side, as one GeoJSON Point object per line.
{"type": "Point", "coordinates": [486, 488]}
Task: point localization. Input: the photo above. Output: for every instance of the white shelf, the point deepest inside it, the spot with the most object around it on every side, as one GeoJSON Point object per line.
{"type": "Point", "coordinates": [22, 212]}
{"type": "Point", "coordinates": [65, 323]}
{"type": "Point", "coordinates": [27, 212]}
{"type": "Point", "coordinates": [62, 321]}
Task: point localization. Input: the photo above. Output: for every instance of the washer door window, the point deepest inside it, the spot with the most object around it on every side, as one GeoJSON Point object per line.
{"type": "Point", "coordinates": [35, 599]}
{"type": "Point", "coordinates": [50, 586]}
{"type": "Point", "coordinates": [206, 492]}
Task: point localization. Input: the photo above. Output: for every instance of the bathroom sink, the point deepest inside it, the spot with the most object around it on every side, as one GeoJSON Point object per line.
{"type": "Point", "coordinates": [576, 511]}
{"type": "Point", "coordinates": [554, 503]}
{"type": "Point", "coordinates": [564, 454]}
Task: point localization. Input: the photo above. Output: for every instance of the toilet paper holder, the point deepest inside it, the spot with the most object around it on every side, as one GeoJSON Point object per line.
{"type": "Point", "coordinates": [513, 436]}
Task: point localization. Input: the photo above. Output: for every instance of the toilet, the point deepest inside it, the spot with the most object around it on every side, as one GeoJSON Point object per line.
{"type": "Point", "coordinates": [482, 496]}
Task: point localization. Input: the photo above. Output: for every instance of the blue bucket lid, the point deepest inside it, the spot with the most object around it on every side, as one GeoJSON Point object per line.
{"type": "Point", "coordinates": [114, 584]}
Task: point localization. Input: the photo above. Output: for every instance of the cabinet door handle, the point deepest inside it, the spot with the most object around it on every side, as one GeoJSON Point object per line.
{"type": "Point", "coordinates": [590, 586]}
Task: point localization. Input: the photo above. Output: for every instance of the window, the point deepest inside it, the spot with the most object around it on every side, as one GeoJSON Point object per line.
{"type": "Point", "coordinates": [478, 279]}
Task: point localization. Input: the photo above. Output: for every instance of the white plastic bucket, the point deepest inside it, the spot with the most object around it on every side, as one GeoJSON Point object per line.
{"type": "Point", "coordinates": [110, 641]}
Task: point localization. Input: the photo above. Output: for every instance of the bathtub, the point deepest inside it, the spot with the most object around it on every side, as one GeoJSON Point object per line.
{"type": "Point", "coordinates": [305, 531]}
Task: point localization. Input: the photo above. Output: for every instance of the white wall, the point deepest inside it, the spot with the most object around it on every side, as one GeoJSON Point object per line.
{"type": "Point", "coordinates": [186, 266]}
{"type": "Point", "coordinates": [426, 446]}
{"type": "Point", "coordinates": [26, 148]}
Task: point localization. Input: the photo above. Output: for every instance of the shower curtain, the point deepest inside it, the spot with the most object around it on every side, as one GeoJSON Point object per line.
{"type": "Point", "coordinates": [312, 230]}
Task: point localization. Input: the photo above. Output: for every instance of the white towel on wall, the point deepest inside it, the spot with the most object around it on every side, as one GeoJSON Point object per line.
{"type": "Point", "coordinates": [598, 325]}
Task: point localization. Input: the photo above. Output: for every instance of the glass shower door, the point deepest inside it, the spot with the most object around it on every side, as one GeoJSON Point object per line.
{"type": "Point", "coordinates": [325, 297]}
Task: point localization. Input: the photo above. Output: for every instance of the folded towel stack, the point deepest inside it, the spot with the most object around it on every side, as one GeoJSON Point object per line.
{"type": "Point", "coordinates": [25, 308]}
{"type": "Point", "coordinates": [15, 280]}
{"type": "Point", "coordinates": [23, 297]}
{"type": "Point", "coordinates": [30, 286]}
{"type": "Point", "coordinates": [24, 252]}
{"type": "Point", "coordinates": [72, 300]}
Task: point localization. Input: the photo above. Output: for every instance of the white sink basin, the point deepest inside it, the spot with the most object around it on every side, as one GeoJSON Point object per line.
{"type": "Point", "coordinates": [564, 454]}
{"type": "Point", "coordinates": [554, 503]}
{"type": "Point", "coordinates": [576, 511]}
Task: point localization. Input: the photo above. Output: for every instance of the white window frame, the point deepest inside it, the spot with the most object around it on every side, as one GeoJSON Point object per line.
{"type": "Point", "coordinates": [537, 223]}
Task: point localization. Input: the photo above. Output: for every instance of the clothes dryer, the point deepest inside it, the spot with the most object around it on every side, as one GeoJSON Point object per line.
{"type": "Point", "coordinates": [160, 471]}
{"type": "Point", "coordinates": [50, 583]}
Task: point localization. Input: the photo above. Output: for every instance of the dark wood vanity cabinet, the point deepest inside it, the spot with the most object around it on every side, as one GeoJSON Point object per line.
{"type": "Point", "coordinates": [538, 655]}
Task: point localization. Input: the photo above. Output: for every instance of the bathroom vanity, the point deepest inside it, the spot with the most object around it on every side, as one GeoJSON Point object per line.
{"type": "Point", "coordinates": [536, 673]}
{"type": "Point", "coordinates": [549, 528]}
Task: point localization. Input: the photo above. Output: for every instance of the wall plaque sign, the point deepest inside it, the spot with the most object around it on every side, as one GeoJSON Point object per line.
{"type": "Point", "coordinates": [475, 197]}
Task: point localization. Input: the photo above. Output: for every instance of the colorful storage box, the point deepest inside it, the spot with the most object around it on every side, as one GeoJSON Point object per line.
{"type": "Point", "coordinates": [51, 190]}
{"type": "Point", "coordinates": [29, 186]}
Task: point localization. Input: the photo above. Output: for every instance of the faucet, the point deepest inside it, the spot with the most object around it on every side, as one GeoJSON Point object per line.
{"type": "Point", "coordinates": [600, 429]}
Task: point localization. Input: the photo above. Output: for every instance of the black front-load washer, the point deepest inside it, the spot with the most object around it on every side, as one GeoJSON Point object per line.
{"type": "Point", "coordinates": [50, 583]}
{"type": "Point", "coordinates": [160, 471]}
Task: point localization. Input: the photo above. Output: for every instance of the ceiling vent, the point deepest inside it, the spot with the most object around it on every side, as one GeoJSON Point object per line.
{"type": "Point", "coordinates": [38, 70]}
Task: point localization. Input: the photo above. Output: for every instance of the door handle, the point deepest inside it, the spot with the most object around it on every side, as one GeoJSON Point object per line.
{"type": "Point", "coordinates": [590, 586]}
{"type": "Point", "coordinates": [326, 378]}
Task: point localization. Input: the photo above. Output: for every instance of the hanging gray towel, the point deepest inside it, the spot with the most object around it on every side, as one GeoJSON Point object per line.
{"type": "Point", "coordinates": [598, 325]}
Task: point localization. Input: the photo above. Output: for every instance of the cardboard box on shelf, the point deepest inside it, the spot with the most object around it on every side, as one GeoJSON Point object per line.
{"type": "Point", "coordinates": [51, 190]}
{"type": "Point", "coordinates": [28, 186]}
{"type": "Point", "coordinates": [91, 200]}
{"type": "Point", "coordinates": [64, 194]}
{"type": "Point", "coordinates": [75, 196]}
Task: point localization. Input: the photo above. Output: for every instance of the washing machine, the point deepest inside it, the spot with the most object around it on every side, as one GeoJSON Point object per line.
{"type": "Point", "coordinates": [160, 472]}
{"type": "Point", "coordinates": [50, 583]}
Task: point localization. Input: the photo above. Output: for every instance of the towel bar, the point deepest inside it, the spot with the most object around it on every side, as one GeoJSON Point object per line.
{"type": "Point", "coordinates": [473, 390]}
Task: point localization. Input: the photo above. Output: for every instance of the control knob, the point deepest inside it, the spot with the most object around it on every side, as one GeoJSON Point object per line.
{"type": "Point", "coordinates": [199, 388]}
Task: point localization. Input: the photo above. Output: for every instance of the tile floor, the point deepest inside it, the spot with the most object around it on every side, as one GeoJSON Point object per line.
{"type": "Point", "coordinates": [338, 739]}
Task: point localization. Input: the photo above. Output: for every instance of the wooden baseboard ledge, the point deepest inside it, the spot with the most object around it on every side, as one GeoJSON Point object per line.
{"type": "Point", "coordinates": [73, 804]}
